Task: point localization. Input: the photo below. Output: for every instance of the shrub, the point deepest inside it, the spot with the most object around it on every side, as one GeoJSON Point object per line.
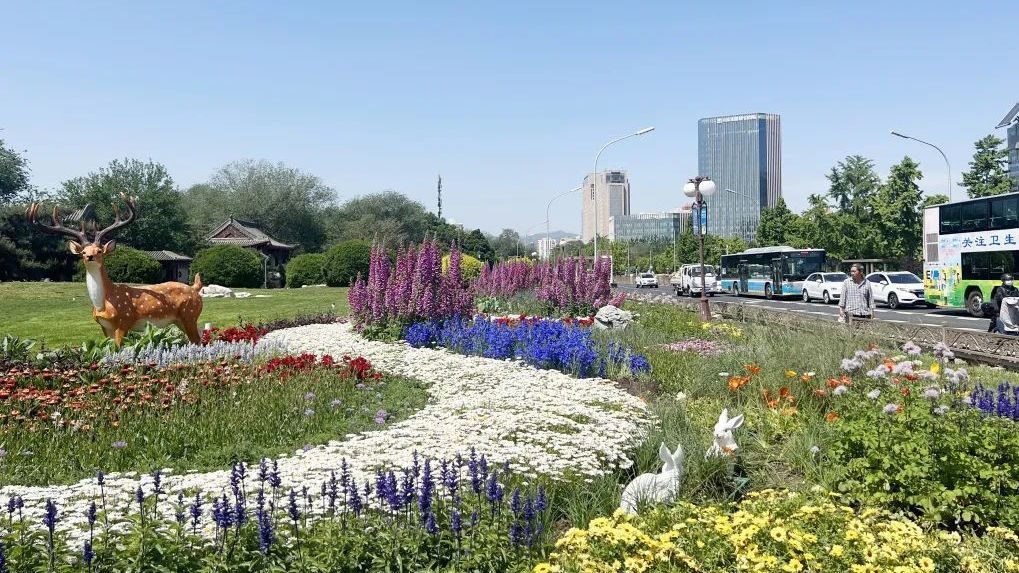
{"type": "Point", "coordinates": [470, 268]}
{"type": "Point", "coordinates": [229, 266]}
{"type": "Point", "coordinates": [306, 269]}
{"type": "Point", "coordinates": [127, 265]}
{"type": "Point", "coordinates": [345, 261]}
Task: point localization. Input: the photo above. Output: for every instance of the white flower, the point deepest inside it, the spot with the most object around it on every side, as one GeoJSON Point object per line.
{"type": "Point", "coordinates": [814, 450]}
{"type": "Point", "coordinates": [681, 397]}
{"type": "Point", "coordinates": [874, 394]}
{"type": "Point", "coordinates": [890, 408]}
{"type": "Point", "coordinates": [840, 390]}
{"type": "Point", "coordinates": [941, 410]}
{"type": "Point", "coordinates": [932, 393]}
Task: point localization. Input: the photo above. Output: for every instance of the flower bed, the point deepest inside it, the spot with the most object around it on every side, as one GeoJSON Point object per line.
{"type": "Point", "coordinates": [548, 423]}
{"type": "Point", "coordinates": [546, 344]}
{"type": "Point", "coordinates": [698, 346]}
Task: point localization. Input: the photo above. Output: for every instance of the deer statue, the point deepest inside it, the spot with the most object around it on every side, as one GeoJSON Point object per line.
{"type": "Point", "coordinates": [119, 308]}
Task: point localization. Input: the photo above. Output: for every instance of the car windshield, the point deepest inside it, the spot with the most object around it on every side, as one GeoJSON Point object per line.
{"type": "Point", "coordinates": [835, 277]}
{"type": "Point", "coordinates": [696, 271]}
{"type": "Point", "coordinates": [904, 278]}
{"type": "Point", "coordinates": [647, 276]}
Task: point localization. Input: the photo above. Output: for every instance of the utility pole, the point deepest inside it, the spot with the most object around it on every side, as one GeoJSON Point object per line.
{"type": "Point", "coordinates": [440, 197]}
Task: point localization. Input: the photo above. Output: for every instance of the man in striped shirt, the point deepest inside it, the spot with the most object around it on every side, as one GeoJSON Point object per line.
{"type": "Point", "coordinates": [857, 297]}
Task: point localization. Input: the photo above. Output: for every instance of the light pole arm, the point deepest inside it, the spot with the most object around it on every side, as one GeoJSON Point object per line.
{"type": "Point", "coordinates": [549, 206]}
{"type": "Point", "coordinates": [594, 174]}
{"type": "Point", "coordinates": [943, 156]}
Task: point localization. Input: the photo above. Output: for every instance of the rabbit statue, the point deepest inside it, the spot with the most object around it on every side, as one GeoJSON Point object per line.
{"type": "Point", "coordinates": [657, 488]}
{"type": "Point", "coordinates": [723, 443]}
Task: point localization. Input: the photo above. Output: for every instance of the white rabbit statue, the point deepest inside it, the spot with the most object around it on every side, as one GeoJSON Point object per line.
{"type": "Point", "coordinates": [657, 488]}
{"type": "Point", "coordinates": [723, 443]}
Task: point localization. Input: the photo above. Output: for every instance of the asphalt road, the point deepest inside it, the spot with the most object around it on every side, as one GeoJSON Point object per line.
{"type": "Point", "coordinates": [952, 318]}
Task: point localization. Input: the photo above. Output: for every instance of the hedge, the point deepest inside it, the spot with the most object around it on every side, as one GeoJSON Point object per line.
{"type": "Point", "coordinates": [344, 261]}
{"type": "Point", "coordinates": [127, 265]}
{"type": "Point", "coordinates": [306, 269]}
{"type": "Point", "coordinates": [229, 266]}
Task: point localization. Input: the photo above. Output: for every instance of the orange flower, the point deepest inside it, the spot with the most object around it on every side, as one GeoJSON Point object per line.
{"type": "Point", "coordinates": [831, 417]}
{"type": "Point", "coordinates": [905, 391]}
{"type": "Point", "coordinates": [807, 377]}
{"type": "Point", "coordinates": [834, 383]}
{"type": "Point", "coordinates": [783, 392]}
{"type": "Point", "coordinates": [752, 369]}
{"type": "Point", "coordinates": [737, 382]}
{"type": "Point", "coordinates": [820, 392]}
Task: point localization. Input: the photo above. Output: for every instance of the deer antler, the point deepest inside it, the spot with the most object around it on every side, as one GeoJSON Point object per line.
{"type": "Point", "coordinates": [57, 228]}
{"type": "Point", "coordinates": [118, 223]}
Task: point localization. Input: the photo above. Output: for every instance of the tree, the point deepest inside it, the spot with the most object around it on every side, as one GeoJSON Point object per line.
{"type": "Point", "coordinates": [476, 244]}
{"type": "Point", "coordinates": [161, 222]}
{"type": "Point", "coordinates": [988, 171]}
{"type": "Point", "coordinates": [897, 207]}
{"type": "Point", "coordinates": [285, 202]}
{"type": "Point", "coordinates": [13, 174]}
{"type": "Point", "coordinates": [27, 254]}
{"type": "Point", "coordinates": [933, 200]}
{"type": "Point", "coordinates": [389, 217]}
{"type": "Point", "coordinates": [853, 183]}
{"type": "Point", "coordinates": [777, 226]}
{"type": "Point", "coordinates": [508, 244]}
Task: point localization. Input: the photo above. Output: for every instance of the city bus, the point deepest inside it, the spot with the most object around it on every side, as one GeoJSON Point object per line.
{"type": "Point", "coordinates": [967, 246]}
{"type": "Point", "coordinates": [770, 271]}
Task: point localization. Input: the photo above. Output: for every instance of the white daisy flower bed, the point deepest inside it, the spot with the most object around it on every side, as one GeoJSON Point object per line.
{"type": "Point", "coordinates": [543, 421]}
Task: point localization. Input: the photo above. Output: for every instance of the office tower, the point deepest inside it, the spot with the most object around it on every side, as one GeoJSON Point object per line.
{"type": "Point", "coordinates": [743, 155]}
{"type": "Point", "coordinates": [613, 191]}
{"type": "Point", "coordinates": [649, 227]}
{"type": "Point", "coordinates": [1012, 142]}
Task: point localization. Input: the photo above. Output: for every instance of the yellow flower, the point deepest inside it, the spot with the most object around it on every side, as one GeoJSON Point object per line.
{"type": "Point", "coordinates": [793, 566]}
{"type": "Point", "coordinates": [936, 368]}
{"type": "Point", "coordinates": [790, 374]}
{"type": "Point", "coordinates": [927, 564]}
{"type": "Point", "coordinates": [837, 550]}
{"type": "Point", "coordinates": [546, 568]}
{"type": "Point", "coordinates": [779, 533]}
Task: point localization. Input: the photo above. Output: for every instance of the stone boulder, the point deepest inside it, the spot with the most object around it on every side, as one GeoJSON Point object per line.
{"type": "Point", "coordinates": [216, 291]}
{"type": "Point", "coordinates": [612, 318]}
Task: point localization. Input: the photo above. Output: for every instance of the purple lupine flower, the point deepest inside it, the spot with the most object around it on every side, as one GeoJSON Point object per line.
{"type": "Point", "coordinates": [427, 489]}
{"type": "Point", "coordinates": [380, 417]}
{"type": "Point", "coordinates": [178, 514]}
{"type": "Point", "coordinates": [265, 535]}
{"type": "Point", "coordinates": [355, 498]}
{"type": "Point", "coordinates": [275, 479]}
{"type": "Point", "coordinates": [100, 478]}
{"type": "Point", "coordinates": [541, 501]}
{"type": "Point", "coordinates": [516, 533]}
{"type": "Point", "coordinates": [90, 513]}
{"type": "Point", "coordinates": [157, 482]}
{"type": "Point", "coordinates": [516, 502]}
{"type": "Point", "coordinates": [139, 495]}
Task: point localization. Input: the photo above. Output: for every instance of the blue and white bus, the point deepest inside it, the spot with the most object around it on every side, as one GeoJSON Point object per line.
{"type": "Point", "coordinates": [770, 271]}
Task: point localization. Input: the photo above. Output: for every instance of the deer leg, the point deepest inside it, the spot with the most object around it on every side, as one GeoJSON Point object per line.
{"type": "Point", "coordinates": [190, 328]}
{"type": "Point", "coordinates": [118, 336]}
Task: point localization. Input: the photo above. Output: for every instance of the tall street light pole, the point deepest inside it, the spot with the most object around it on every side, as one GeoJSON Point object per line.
{"type": "Point", "coordinates": [594, 183]}
{"type": "Point", "coordinates": [549, 206]}
{"type": "Point", "coordinates": [699, 188]}
{"type": "Point", "coordinates": [943, 156]}
{"type": "Point", "coordinates": [744, 227]}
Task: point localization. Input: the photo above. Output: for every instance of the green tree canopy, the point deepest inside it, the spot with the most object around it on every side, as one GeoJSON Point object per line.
{"type": "Point", "coordinates": [988, 171]}
{"type": "Point", "coordinates": [508, 244]}
{"type": "Point", "coordinates": [853, 184]}
{"type": "Point", "coordinates": [777, 226]}
{"type": "Point", "coordinates": [161, 222]}
{"type": "Point", "coordinates": [287, 203]}
{"type": "Point", "coordinates": [897, 207]}
{"type": "Point", "coordinates": [13, 173]}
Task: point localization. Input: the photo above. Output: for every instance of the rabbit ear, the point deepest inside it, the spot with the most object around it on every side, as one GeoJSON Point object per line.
{"type": "Point", "coordinates": [735, 422]}
{"type": "Point", "coordinates": [666, 456]}
{"type": "Point", "coordinates": [724, 416]}
{"type": "Point", "coordinates": [678, 456]}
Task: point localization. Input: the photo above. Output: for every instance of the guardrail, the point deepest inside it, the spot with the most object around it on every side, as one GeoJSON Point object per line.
{"type": "Point", "coordinates": [986, 348]}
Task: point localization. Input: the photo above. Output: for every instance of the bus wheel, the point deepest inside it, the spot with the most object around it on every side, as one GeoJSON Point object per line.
{"type": "Point", "coordinates": [974, 303]}
{"type": "Point", "coordinates": [767, 292]}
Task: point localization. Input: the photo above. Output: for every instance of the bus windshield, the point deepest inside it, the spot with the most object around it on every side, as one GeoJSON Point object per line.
{"type": "Point", "coordinates": [799, 265]}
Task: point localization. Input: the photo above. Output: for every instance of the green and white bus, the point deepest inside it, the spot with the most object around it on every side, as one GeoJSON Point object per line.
{"type": "Point", "coordinates": [968, 245]}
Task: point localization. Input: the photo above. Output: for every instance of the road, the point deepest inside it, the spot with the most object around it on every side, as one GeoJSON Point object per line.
{"type": "Point", "coordinates": [952, 318]}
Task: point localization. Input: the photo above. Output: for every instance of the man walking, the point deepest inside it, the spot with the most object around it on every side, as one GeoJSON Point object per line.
{"type": "Point", "coordinates": [857, 298]}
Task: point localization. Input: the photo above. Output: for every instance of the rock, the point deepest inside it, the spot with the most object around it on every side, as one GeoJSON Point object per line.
{"type": "Point", "coordinates": [612, 318]}
{"type": "Point", "coordinates": [216, 291]}
{"type": "Point", "coordinates": [241, 294]}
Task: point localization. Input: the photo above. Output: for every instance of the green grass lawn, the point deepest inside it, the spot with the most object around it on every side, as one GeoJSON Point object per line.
{"type": "Point", "coordinates": [60, 313]}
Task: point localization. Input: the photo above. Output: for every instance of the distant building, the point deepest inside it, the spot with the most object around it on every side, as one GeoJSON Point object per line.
{"type": "Point", "coordinates": [613, 191]}
{"type": "Point", "coordinates": [248, 234]}
{"type": "Point", "coordinates": [175, 267]}
{"type": "Point", "coordinates": [743, 155]}
{"type": "Point", "coordinates": [1012, 122]}
{"type": "Point", "coordinates": [647, 227]}
{"type": "Point", "coordinates": [545, 248]}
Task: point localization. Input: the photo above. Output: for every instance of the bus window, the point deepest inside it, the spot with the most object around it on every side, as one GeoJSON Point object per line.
{"type": "Point", "coordinates": [974, 217]}
{"type": "Point", "coordinates": [1005, 213]}
{"type": "Point", "coordinates": [950, 215]}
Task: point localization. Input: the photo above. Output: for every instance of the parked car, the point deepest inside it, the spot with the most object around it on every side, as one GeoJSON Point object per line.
{"type": "Point", "coordinates": [824, 286]}
{"type": "Point", "coordinates": [647, 280]}
{"type": "Point", "coordinates": [897, 288]}
{"type": "Point", "coordinates": [690, 282]}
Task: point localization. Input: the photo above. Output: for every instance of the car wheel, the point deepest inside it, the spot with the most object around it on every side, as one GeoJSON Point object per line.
{"type": "Point", "coordinates": [827, 297]}
{"type": "Point", "coordinates": [806, 296]}
{"type": "Point", "coordinates": [692, 294]}
{"type": "Point", "coordinates": [767, 292]}
{"type": "Point", "coordinates": [974, 304]}
{"type": "Point", "coordinates": [893, 301]}
{"type": "Point", "coordinates": [931, 305]}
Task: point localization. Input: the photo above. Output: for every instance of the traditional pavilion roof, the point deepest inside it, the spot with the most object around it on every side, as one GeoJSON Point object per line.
{"type": "Point", "coordinates": [244, 234]}
{"type": "Point", "coordinates": [167, 256]}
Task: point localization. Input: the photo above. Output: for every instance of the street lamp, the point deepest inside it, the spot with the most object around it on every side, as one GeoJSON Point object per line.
{"type": "Point", "coordinates": [943, 156]}
{"type": "Point", "coordinates": [549, 206]}
{"type": "Point", "coordinates": [594, 177]}
{"type": "Point", "coordinates": [743, 221]}
{"type": "Point", "coordinates": [700, 188]}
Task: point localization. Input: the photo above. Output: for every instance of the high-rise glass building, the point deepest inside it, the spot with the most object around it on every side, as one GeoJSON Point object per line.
{"type": "Point", "coordinates": [743, 155]}
{"type": "Point", "coordinates": [649, 227]}
{"type": "Point", "coordinates": [613, 191]}
{"type": "Point", "coordinates": [1011, 121]}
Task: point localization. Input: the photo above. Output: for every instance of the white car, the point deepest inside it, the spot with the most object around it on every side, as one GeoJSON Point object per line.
{"type": "Point", "coordinates": [823, 286]}
{"type": "Point", "coordinates": [690, 282]}
{"type": "Point", "coordinates": [646, 280]}
{"type": "Point", "coordinates": [896, 288]}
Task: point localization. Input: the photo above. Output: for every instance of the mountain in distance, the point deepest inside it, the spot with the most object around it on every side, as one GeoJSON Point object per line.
{"type": "Point", "coordinates": [552, 234]}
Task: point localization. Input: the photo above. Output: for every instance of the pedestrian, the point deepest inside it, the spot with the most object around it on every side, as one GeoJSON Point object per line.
{"type": "Point", "coordinates": [1007, 289]}
{"type": "Point", "coordinates": [857, 298]}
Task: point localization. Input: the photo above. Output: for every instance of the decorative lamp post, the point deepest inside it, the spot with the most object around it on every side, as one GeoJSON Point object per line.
{"type": "Point", "coordinates": [594, 183]}
{"type": "Point", "coordinates": [699, 188]}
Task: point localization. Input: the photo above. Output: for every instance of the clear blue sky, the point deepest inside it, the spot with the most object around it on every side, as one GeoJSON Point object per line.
{"type": "Point", "coordinates": [508, 101]}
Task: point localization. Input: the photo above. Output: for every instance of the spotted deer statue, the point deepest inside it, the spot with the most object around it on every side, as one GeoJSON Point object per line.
{"type": "Point", "coordinates": [120, 308]}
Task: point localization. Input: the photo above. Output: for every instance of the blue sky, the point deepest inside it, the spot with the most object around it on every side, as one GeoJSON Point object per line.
{"type": "Point", "coordinates": [508, 101]}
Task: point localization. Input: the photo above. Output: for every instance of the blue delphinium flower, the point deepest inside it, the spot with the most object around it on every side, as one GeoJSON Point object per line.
{"type": "Point", "coordinates": [265, 535]}
{"type": "Point", "coordinates": [179, 513]}
{"type": "Point", "coordinates": [293, 511]}
{"type": "Point", "coordinates": [50, 516]}
{"type": "Point", "coordinates": [87, 555]}
{"type": "Point", "coordinates": [430, 525]}
{"type": "Point", "coordinates": [427, 489]}
{"type": "Point", "coordinates": [196, 513]}
{"type": "Point", "coordinates": [456, 523]}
